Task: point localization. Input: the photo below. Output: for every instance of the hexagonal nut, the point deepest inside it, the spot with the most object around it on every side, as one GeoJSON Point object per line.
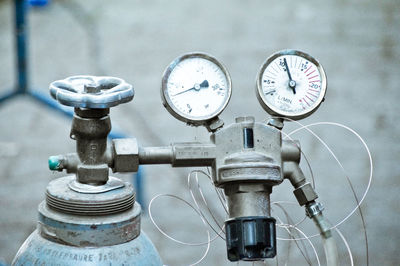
{"type": "Point", "coordinates": [305, 193]}
{"type": "Point", "coordinates": [126, 155]}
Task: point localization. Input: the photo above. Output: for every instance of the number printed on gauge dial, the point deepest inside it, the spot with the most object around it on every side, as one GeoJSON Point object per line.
{"type": "Point", "coordinates": [195, 88]}
{"type": "Point", "coordinates": [291, 84]}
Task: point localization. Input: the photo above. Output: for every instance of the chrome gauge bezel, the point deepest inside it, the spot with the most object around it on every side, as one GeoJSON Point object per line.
{"type": "Point", "coordinates": [173, 110]}
{"type": "Point", "coordinates": [273, 110]}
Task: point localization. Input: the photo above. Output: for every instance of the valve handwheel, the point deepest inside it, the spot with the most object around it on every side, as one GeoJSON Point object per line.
{"type": "Point", "coordinates": [91, 91]}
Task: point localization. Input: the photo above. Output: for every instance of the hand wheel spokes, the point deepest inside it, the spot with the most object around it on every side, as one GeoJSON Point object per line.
{"type": "Point", "coordinates": [91, 91]}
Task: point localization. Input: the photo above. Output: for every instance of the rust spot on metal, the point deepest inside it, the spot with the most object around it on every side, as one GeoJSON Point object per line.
{"type": "Point", "coordinates": [73, 234]}
{"type": "Point", "coordinates": [86, 244]}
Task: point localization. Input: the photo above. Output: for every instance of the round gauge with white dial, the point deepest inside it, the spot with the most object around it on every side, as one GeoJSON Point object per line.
{"type": "Point", "coordinates": [291, 84]}
{"type": "Point", "coordinates": [195, 88]}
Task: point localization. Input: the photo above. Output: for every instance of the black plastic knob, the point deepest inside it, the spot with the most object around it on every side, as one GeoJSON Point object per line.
{"type": "Point", "coordinates": [251, 238]}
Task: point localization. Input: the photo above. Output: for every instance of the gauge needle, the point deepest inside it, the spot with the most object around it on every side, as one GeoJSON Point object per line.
{"type": "Point", "coordinates": [292, 83]}
{"type": "Point", "coordinates": [196, 87]}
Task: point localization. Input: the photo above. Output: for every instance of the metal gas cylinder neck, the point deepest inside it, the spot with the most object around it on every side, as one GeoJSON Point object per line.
{"type": "Point", "coordinates": [89, 200]}
{"type": "Point", "coordinates": [89, 231]}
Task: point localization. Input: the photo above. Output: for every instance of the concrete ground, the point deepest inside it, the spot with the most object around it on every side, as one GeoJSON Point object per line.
{"type": "Point", "coordinates": [358, 43]}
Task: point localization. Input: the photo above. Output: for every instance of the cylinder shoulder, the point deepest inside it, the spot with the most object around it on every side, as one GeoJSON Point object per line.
{"type": "Point", "coordinates": [37, 250]}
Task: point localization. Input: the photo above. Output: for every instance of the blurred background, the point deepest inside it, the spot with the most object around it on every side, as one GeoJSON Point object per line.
{"type": "Point", "coordinates": [357, 42]}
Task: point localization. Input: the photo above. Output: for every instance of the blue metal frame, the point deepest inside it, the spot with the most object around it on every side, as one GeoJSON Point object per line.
{"type": "Point", "coordinates": [22, 86]}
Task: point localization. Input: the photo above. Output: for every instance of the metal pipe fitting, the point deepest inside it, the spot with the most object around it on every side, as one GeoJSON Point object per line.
{"type": "Point", "coordinates": [179, 154]}
{"type": "Point", "coordinates": [291, 151]}
{"type": "Point", "coordinates": [125, 154]}
{"type": "Point", "coordinates": [303, 191]}
{"type": "Point", "coordinates": [293, 172]}
{"type": "Point", "coordinates": [156, 155]}
{"type": "Point", "coordinates": [248, 199]}
{"type": "Point", "coordinates": [69, 162]}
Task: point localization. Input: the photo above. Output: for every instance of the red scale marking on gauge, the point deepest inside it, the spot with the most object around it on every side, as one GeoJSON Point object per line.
{"type": "Point", "coordinates": [312, 94]}
{"type": "Point", "coordinates": [313, 90]}
{"type": "Point", "coordinates": [302, 105]}
{"type": "Point", "coordinates": [311, 72]}
{"type": "Point", "coordinates": [310, 99]}
{"type": "Point", "coordinates": [305, 101]}
{"type": "Point", "coordinates": [313, 77]}
{"type": "Point", "coordinates": [311, 81]}
{"type": "Point", "coordinates": [307, 69]}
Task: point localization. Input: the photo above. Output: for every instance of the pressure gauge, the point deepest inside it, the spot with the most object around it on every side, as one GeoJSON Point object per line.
{"type": "Point", "coordinates": [195, 88]}
{"type": "Point", "coordinates": [291, 84]}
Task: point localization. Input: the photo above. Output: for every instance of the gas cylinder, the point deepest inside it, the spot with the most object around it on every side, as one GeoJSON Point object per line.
{"type": "Point", "coordinates": [66, 235]}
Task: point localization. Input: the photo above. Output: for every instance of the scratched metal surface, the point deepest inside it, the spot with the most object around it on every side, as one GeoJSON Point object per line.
{"type": "Point", "coordinates": [39, 251]}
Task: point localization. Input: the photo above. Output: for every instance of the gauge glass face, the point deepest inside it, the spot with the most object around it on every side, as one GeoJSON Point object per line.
{"type": "Point", "coordinates": [197, 88]}
{"type": "Point", "coordinates": [292, 85]}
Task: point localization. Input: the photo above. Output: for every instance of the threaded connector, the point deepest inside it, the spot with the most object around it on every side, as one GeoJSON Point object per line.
{"type": "Point", "coordinates": [313, 209]}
